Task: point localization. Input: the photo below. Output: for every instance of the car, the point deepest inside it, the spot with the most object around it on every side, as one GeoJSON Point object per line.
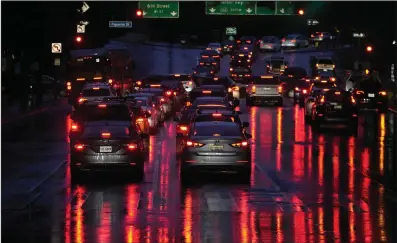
{"type": "Point", "coordinates": [321, 37]}
{"type": "Point", "coordinates": [276, 65]}
{"type": "Point", "coordinates": [335, 106]}
{"type": "Point", "coordinates": [174, 90]}
{"type": "Point", "coordinates": [210, 54]}
{"type": "Point", "coordinates": [270, 43]}
{"type": "Point", "coordinates": [141, 117]}
{"type": "Point", "coordinates": [264, 89]}
{"type": "Point", "coordinates": [211, 63]}
{"type": "Point", "coordinates": [329, 75]}
{"type": "Point", "coordinates": [186, 80]}
{"type": "Point", "coordinates": [228, 46]}
{"type": "Point", "coordinates": [107, 145]}
{"type": "Point", "coordinates": [203, 71]}
{"type": "Point", "coordinates": [161, 99]}
{"type": "Point", "coordinates": [215, 47]}
{"type": "Point", "coordinates": [322, 63]}
{"type": "Point", "coordinates": [290, 78]}
{"type": "Point", "coordinates": [95, 91]}
{"type": "Point", "coordinates": [231, 86]}
{"type": "Point", "coordinates": [240, 62]}
{"type": "Point", "coordinates": [216, 147]}
{"type": "Point", "coordinates": [147, 102]}
{"type": "Point", "coordinates": [206, 114]}
{"type": "Point", "coordinates": [241, 74]}
{"type": "Point", "coordinates": [369, 94]}
{"type": "Point", "coordinates": [315, 90]}
{"type": "Point", "coordinates": [301, 91]}
{"type": "Point", "coordinates": [295, 41]}
{"type": "Point", "coordinates": [251, 50]}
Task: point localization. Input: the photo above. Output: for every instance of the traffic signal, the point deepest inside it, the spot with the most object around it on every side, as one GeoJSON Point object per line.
{"type": "Point", "coordinates": [139, 13]}
{"type": "Point", "coordinates": [369, 49]}
{"type": "Point", "coordinates": [301, 12]}
{"type": "Point", "coordinates": [79, 39]}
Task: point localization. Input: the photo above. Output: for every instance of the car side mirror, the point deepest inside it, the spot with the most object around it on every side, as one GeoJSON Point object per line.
{"type": "Point", "coordinates": [246, 124]}
{"type": "Point", "coordinates": [176, 119]}
{"type": "Point", "coordinates": [144, 135]}
{"type": "Point", "coordinates": [249, 136]}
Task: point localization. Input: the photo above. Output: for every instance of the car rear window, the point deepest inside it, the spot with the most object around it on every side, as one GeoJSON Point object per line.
{"type": "Point", "coordinates": [95, 92]}
{"type": "Point", "coordinates": [326, 61]}
{"type": "Point", "coordinates": [115, 131]}
{"type": "Point", "coordinates": [210, 117]}
{"type": "Point", "coordinates": [110, 112]}
{"type": "Point", "coordinates": [337, 96]}
{"type": "Point", "coordinates": [296, 72]}
{"type": "Point", "coordinates": [260, 80]}
{"type": "Point", "coordinates": [228, 131]}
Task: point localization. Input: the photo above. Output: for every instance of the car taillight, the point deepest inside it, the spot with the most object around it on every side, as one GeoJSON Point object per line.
{"type": "Point", "coordinates": [139, 120]}
{"type": "Point", "coordinates": [353, 101]}
{"type": "Point", "coordinates": [293, 41]}
{"type": "Point", "coordinates": [81, 100]}
{"type": "Point", "coordinates": [304, 91]}
{"type": "Point", "coordinates": [131, 146]}
{"type": "Point", "coordinates": [296, 88]}
{"type": "Point", "coordinates": [322, 100]}
{"type": "Point", "coordinates": [243, 144]}
{"type": "Point", "coordinates": [168, 93]}
{"type": "Point", "coordinates": [74, 127]}
{"type": "Point", "coordinates": [283, 40]}
{"type": "Point", "coordinates": [383, 93]}
{"type": "Point", "coordinates": [247, 75]}
{"type": "Point", "coordinates": [214, 63]}
{"type": "Point", "coordinates": [162, 100]}
{"type": "Point", "coordinates": [79, 147]}
{"type": "Point", "coordinates": [102, 106]}
{"type": "Point", "coordinates": [106, 135]}
{"type": "Point", "coordinates": [359, 92]}
{"type": "Point", "coordinates": [312, 36]}
{"type": "Point", "coordinates": [234, 75]}
{"type": "Point", "coordinates": [139, 83]}
{"type": "Point", "coordinates": [110, 81]}
{"type": "Point", "coordinates": [253, 89]}
{"type": "Point", "coordinates": [175, 93]}
{"type": "Point", "coordinates": [183, 128]}
{"type": "Point", "coordinates": [280, 89]}
{"type": "Point", "coordinates": [201, 63]}
{"type": "Point", "coordinates": [217, 115]}
{"type": "Point", "coordinates": [230, 69]}
{"type": "Point", "coordinates": [193, 144]}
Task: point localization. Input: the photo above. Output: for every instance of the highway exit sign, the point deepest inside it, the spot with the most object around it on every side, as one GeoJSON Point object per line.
{"type": "Point", "coordinates": [230, 8]}
{"type": "Point", "coordinates": [159, 9]}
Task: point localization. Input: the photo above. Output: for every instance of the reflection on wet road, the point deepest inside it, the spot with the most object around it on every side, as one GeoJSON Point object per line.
{"type": "Point", "coordinates": [306, 187]}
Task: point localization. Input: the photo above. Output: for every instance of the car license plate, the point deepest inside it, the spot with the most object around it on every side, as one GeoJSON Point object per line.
{"type": "Point", "coordinates": [371, 95]}
{"type": "Point", "coordinates": [266, 88]}
{"type": "Point", "coordinates": [216, 147]}
{"type": "Point", "coordinates": [337, 107]}
{"type": "Point", "coordinates": [240, 75]}
{"type": "Point", "coordinates": [105, 149]}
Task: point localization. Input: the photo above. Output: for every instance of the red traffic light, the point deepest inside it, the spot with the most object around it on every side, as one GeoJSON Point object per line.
{"type": "Point", "coordinates": [139, 13]}
{"type": "Point", "coordinates": [79, 39]}
{"type": "Point", "coordinates": [301, 12]}
{"type": "Point", "coordinates": [369, 48]}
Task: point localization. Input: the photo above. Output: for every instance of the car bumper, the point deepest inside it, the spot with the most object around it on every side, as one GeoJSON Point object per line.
{"type": "Point", "coordinates": [215, 163]}
{"type": "Point", "coordinates": [289, 45]}
{"type": "Point", "coordinates": [265, 99]}
{"type": "Point", "coordinates": [104, 162]}
{"type": "Point", "coordinates": [336, 120]}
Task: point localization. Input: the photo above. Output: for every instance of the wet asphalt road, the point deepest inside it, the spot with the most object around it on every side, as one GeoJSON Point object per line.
{"type": "Point", "coordinates": [328, 186]}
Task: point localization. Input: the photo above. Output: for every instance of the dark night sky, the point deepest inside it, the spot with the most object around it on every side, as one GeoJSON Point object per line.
{"type": "Point", "coordinates": [36, 24]}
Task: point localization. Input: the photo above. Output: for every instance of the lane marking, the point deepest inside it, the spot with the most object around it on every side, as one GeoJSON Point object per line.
{"type": "Point", "coordinates": [272, 182]}
{"type": "Point", "coordinates": [33, 188]}
{"type": "Point", "coordinates": [218, 203]}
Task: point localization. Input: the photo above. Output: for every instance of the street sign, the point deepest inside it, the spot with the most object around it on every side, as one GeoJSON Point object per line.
{"type": "Point", "coordinates": [231, 31]}
{"type": "Point", "coordinates": [57, 61]}
{"type": "Point", "coordinates": [285, 8]}
{"type": "Point", "coordinates": [159, 9]}
{"type": "Point", "coordinates": [230, 8]}
{"type": "Point", "coordinates": [358, 35]}
{"type": "Point", "coordinates": [120, 24]}
{"type": "Point", "coordinates": [312, 22]}
{"type": "Point", "coordinates": [80, 29]}
{"type": "Point", "coordinates": [56, 47]}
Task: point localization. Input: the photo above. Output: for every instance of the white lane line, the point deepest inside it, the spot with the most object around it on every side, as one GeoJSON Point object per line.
{"type": "Point", "coordinates": [37, 185]}
{"type": "Point", "coordinates": [216, 203]}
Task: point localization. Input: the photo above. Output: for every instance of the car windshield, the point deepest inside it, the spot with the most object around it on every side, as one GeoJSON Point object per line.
{"type": "Point", "coordinates": [109, 112]}
{"type": "Point", "coordinates": [217, 131]}
{"type": "Point", "coordinates": [115, 131]}
{"type": "Point", "coordinates": [95, 92]}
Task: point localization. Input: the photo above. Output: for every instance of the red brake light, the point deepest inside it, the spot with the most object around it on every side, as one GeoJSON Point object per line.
{"type": "Point", "coordinates": [207, 92]}
{"type": "Point", "coordinates": [162, 100]}
{"type": "Point", "coordinates": [139, 83]}
{"type": "Point", "coordinates": [183, 128]}
{"type": "Point", "coordinates": [193, 144]}
{"type": "Point", "coordinates": [332, 79]}
{"type": "Point", "coordinates": [102, 106]}
{"type": "Point", "coordinates": [132, 146]}
{"type": "Point", "coordinates": [305, 91]}
{"type": "Point", "coordinates": [353, 101]}
{"type": "Point", "coordinates": [106, 134]}
{"type": "Point", "coordinates": [74, 127]}
{"type": "Point", "coordinates": [280, 89]}
{"type": "Point", "coordinates": [168, 93]}
{"type": "Point", "coordinates": [201, 63]}
{"type": "Point", "coordinates": [81, 100]}
{"type": "Point", "coordinates": [174, 93]}
{"type": "Point", "coordinates": [217, 115]}
{"type": "Point", "coordinates": [243, 144]}
{"type": "Point", "coordinates": [322, 100]}
{"type": "Point", "coordinates": [247, 75]}
{"type": "Point", "coordinates": [79, 147]}
{"type": "Point", "coordinates": [139, 120]}
{"type": "Point", "coordinates": [214, 63]}
{"type": "Point", "coordinates": [110, 81]}
{"type": "Point", "coordinates": [231, 69]}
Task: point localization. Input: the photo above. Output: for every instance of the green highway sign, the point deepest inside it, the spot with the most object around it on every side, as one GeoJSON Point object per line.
{"type": "Point", "coordinates": [159, 9]}
{"type": "Point", "coordinates": [230, 8]}
{"type": "Point", "coordinates": [285, 8]}
{"type": "Point", "coordinates": [231, 31]}
{"type": "Point", "coordinates": [275, 8]}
